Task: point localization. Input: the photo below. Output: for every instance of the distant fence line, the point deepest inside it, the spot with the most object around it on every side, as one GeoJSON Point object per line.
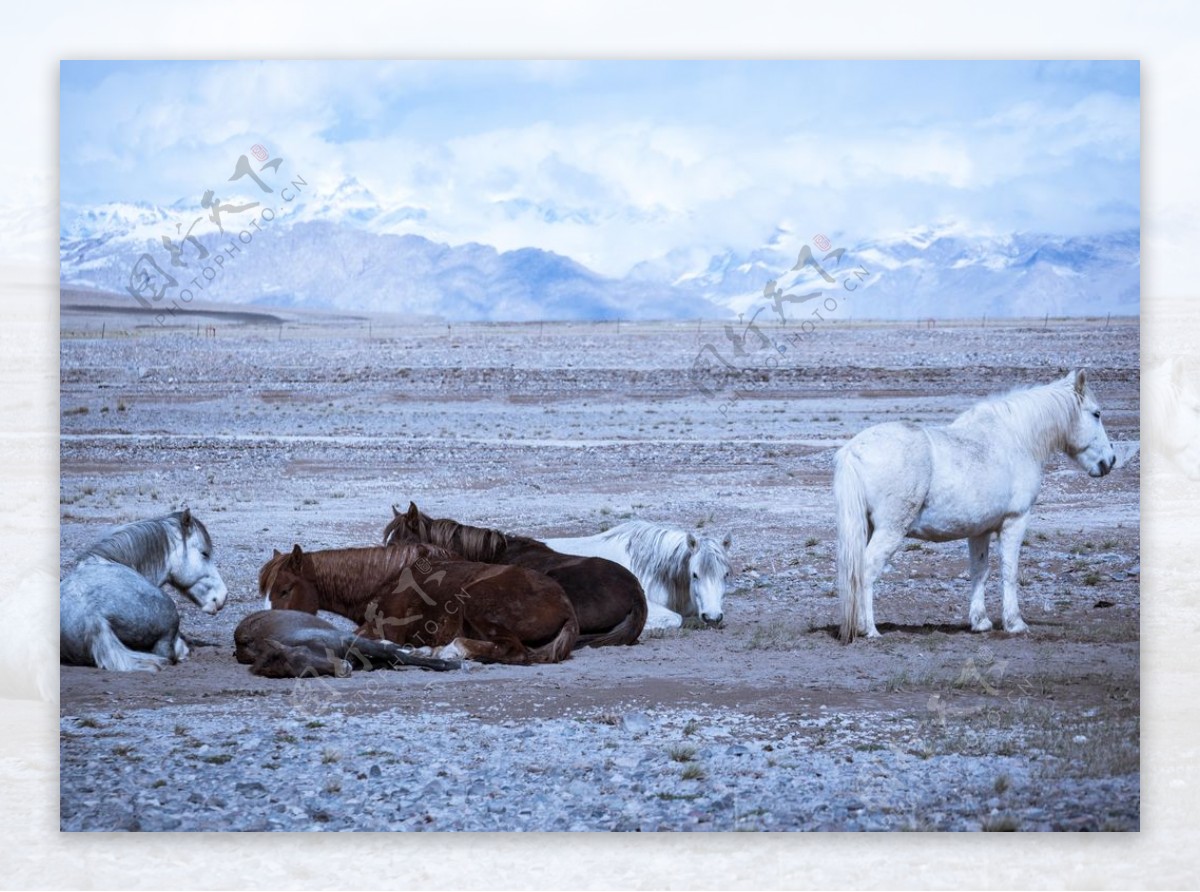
{"type": "Point", "coordinates": [370, 330]}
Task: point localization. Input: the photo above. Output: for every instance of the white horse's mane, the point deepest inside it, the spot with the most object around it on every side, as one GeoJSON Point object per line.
{"type": "Point", "coordinates": [661, 552]}
{"type": "Point", "coordinates": [1036, 417]}
{"type": "Point", "coordinates": [145, 545]}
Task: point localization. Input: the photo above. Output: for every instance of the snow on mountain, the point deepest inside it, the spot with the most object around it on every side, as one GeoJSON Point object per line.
{"type": "Point", "coordinates": [338, 250]}
{"type": "Point", "coordinates": [342, 265]}
{"type": "Point", "coordinates": [929, 273]}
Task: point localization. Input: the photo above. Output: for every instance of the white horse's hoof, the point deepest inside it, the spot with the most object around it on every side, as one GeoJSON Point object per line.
{"type": "Point", "coordinates": [981, 625]}
{"type": "Point", "coordinates": [871, 632]}
{"type": "Point", "coordinates": [1017, 625]}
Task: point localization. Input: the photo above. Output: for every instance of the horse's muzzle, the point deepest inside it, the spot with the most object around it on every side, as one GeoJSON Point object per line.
{"type": "Point", "coordinates": [213, 601]}
{"type": "Point", "coordinates": [713, 620]}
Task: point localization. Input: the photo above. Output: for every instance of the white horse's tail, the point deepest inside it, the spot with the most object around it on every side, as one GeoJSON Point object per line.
{"type": "Point", "coordinates": [852, 527]}
{"type": "Point", "coordinates": [108, 651]}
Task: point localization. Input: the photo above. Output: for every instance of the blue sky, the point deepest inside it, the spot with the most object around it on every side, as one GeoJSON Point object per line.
{"type": "Point", "coordinates": [616, 162]}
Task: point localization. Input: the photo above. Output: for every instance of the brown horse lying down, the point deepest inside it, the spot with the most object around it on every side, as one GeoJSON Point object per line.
{"type": "Point", "coordinates": [426, 597]}
{"type": "Point", "coordinates": [291, 644]}
{"type": "Point", "coordinates": [607, 598]}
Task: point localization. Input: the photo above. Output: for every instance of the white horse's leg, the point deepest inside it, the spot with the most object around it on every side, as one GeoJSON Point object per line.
{"type": "Point", "coordinates": [659, 617]}
{"type": "Point", "coordinates": [1011, 535]}
{"type": "Point", "coordinates": [109, 652]}
{"type": "Point", "coordinates": [879, 551]}
{"type": "Point", "coordinates": [978, 547]}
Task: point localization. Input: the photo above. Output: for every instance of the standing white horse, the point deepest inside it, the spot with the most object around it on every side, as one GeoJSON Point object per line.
{"type": "Point", "coordinates": [681, 573]}
{"type": "Point", "coordinates": [975, 477]}
{"type": "Point", "coordinates": [113, 613]}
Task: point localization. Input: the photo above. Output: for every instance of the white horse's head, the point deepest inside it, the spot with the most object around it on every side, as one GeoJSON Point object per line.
{"type": "Point", "coordinates": [190, 567]}
{"type": "Point", "coordinates": [1087, 442]}
{"type": "Point", "coordinates": [1171, 419]}
{"type": "Point", "coordinates": [708, 570]}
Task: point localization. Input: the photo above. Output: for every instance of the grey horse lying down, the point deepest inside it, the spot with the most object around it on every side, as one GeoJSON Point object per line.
{"type": "Point", "coordinates": [294, 644]}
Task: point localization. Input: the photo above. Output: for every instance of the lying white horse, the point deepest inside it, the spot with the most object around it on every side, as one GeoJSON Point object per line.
{"type": "Point", "coordinates": [113, 613]}
{"type": "Point", "coordinates": [682, 574]}
{"type": "Point", "coordinates": [977, 476]}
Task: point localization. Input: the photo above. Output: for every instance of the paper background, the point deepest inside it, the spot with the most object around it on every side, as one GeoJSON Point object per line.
{"type": "Point", "coordinates": [1164, 36]}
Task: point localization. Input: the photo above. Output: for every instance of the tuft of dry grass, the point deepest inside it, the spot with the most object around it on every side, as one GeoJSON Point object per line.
{"type": "Point", "coordinates": [693, 772]}
{"type": "Point", "coordinates": [681, 753]}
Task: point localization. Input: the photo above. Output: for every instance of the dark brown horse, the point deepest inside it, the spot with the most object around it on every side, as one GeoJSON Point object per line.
{"type": "Point", "coordinates": [607, 598]}
{"type": "Point", "coordinates": [427, 597]}
{"type": "Point", "coordinates": [293, 644]}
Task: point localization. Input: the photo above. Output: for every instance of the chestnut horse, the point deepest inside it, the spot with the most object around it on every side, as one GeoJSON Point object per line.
{"type": "Point", "coordinates": [608, 599]}
{"type": "Point", "coordinates": [292, 644]}
{"type": "Point", "coordinates": [427, 598]}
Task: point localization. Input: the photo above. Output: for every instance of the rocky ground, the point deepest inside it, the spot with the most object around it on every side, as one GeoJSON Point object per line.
{"type": "Point", "coordinates": [309, 432]}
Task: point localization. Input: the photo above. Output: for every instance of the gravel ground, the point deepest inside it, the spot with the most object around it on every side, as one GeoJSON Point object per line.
{"type": "Point", "coordinates": [662, 769]}
{"type": "Point", "coordinates": [310, 434]}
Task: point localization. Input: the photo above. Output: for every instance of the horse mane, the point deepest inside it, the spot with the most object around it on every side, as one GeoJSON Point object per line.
{"type": "Point", "coordinates": [473, 543]}
{"type": "Point", "coordinates": [480, 544]}
{"type": "Point", "coordinates": [658, 551]}
{"type": "Point", "coordinates": [341, 570]}
{"type": "Point", "coordinates": [1037, 417]}
{"type": "Point", "coordinates": [268, 571]}
{"type": "Point", "coordinates": [712, 558]}
{"type": "Point", "coordinates": [143, 545]}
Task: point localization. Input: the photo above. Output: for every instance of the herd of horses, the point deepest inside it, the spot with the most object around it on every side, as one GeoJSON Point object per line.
{"type": "Point", "coordinates": [434, 593]}
{"type": "Point", "coordinates": [437, 591]}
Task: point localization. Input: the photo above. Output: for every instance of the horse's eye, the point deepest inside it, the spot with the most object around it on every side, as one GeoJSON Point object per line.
{"type": "Point", "coordinates": [1096, 414]}
{"type": "Point", "coordinates": [695, 576]}
{"type": "Point", "coordinates": [205, 555]}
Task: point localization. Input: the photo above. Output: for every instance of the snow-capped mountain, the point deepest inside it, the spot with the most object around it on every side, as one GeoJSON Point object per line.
{"type": "Point", "coordinates": [341, 250]}
{"type": "Point", "coordinates": [303, 262]}
{"type": "Point", "coordinates": [929, 273]}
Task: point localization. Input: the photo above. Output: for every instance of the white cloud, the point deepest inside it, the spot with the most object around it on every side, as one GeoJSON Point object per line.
{"type": "Point", "coordinates": [610, 183]}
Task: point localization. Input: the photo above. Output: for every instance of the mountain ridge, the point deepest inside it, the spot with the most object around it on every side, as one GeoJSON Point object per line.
{"type": "Point", "coordinates": [326, 255]}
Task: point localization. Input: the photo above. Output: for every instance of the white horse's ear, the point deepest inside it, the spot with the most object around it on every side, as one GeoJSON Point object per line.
{"type": "Point", "coordinates": [185, 518]}
{"type": "Point", "coordinates": [1080, 381]}
{"type": "Point", "coordinates": [691, 542]}
{"type": "Point", "coordinates": [727, 541]}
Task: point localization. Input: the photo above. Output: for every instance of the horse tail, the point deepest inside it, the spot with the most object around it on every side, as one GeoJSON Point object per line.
{"type": "Point", "coordinates": [624, 632]}
{"type": "Point", "coordinates": [558, 648]}
{"type": "Point", "coordinates": [109, 652]}
{"type": "Point", "coordinates": [852, 531]}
